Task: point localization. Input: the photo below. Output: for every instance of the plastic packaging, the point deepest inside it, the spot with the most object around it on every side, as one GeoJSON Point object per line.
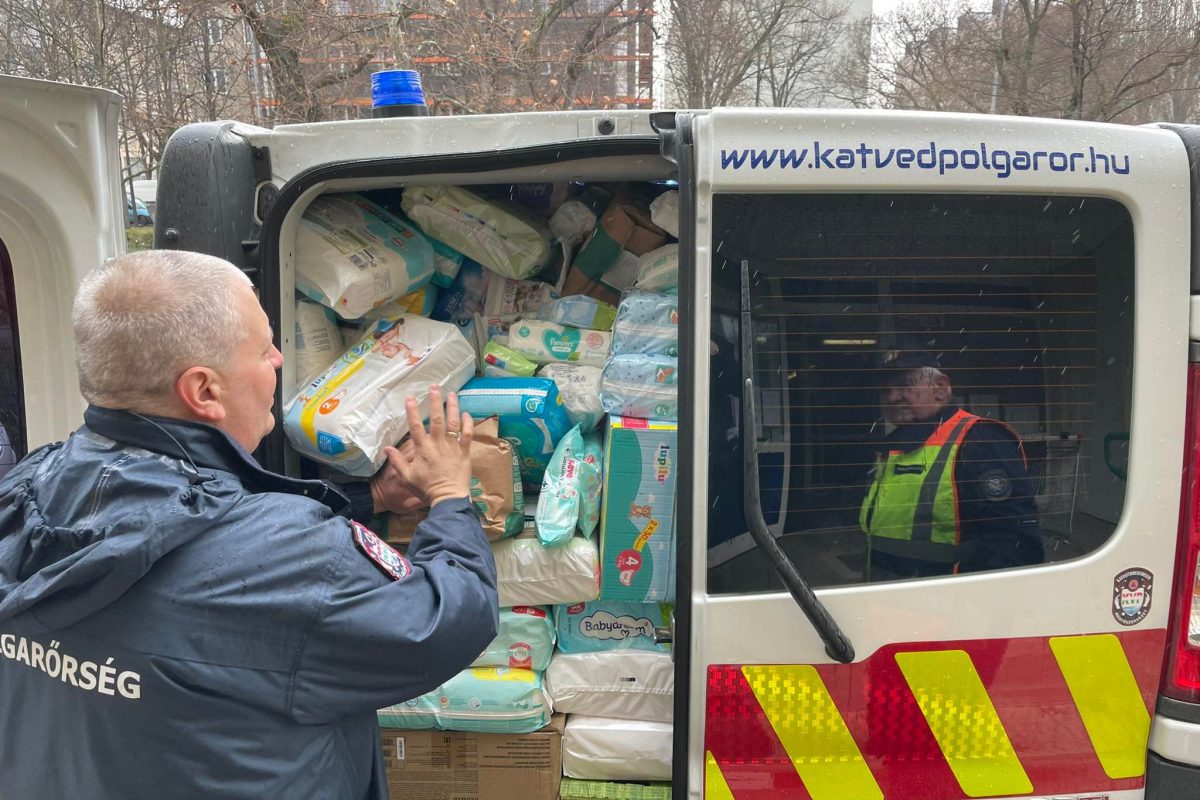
{"type": "Point", "coordinates": [579, 388]}
{"type": "Point", "coordinates": [664, 212]}
{"type": "Point", "coordinates": [641, 386]}
{"type": "Point", "coordinates": [614, 749]}
{"type": "Point", "coordinates": [531, 414]}
{"type": "Point", "coordinates": [647, 322]}
{"type": "Point", "coordinates": [352, 255]}
{"type": "Point", "coordinates": [347, 415]}
{"type": "Point", "coordinates": [480, 700]}
{"type": "Point", "coordinates": [503, 362]}
{"type": "Point", "coordinates": [318, 340]}
{"type": "Point", "coordinates": [529, 574]}
{"type": "Point", "coordinates": [603, 625]}
{"type": "Point", "coordinates": [506, 241]}
{"type": "Point", "coordinates": [579, 311]}
{"type": "Point", "coordinates": [591, 474]}
{"type": "Point", "coordinates": [658, 270]}
{"type": "Point", "coordinates": [545, 343]}
{"type": "Point", "coordinates": [397, 93]}
{"type": "Point", "coordinates": [633, 684]}
{"type": "Point", "coordinates": [465, 296]}
{"type": "Point", "coordinates": [508, 296]}
{"type": "Point", "coordinates": [446, 263]}
{"type": "Point", "coordinates": [525, 641]}
{"type": "Point", "coordinates": [559, 501]}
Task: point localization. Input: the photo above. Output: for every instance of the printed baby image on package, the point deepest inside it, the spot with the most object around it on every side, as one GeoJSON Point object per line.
{"type": "Point", "coordinates": [610, 625]}
{"type": "Point", "coordinates": [546, 342]}
{"type": "Point", "coordinates": [355, 408]}
{"type": "Point", "coordinates": [508, 296]}
{"type": "Point", "coordinates": [637, 526]}
{"type": "Point", "coordinates": [352, 255]}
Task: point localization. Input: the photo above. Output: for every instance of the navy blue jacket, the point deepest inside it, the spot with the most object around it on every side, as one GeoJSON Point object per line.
{"type": "Point", "coordinates": [997, 513]}
{"type": "Point", "coordinates": [177, 622]}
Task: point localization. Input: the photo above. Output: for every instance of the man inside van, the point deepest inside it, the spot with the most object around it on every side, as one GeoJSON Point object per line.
{"type": "Point", "coordinates": [950, 491]}
{"type": "Point", "coordinates": [176, 621]}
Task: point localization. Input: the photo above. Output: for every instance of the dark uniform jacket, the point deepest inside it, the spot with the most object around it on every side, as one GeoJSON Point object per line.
{"type": "Point", "coordinates": [999, 520]}
{"type": "Point", "coordinates": [176, 622]}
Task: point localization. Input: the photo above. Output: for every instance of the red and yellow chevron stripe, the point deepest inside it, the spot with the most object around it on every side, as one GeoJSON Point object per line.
{"type": "Point", "coordinates": [937, 721]}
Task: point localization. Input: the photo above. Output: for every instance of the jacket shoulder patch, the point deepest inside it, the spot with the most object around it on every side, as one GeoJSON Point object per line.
{"type": "Point", "coordinates": [382, 554]}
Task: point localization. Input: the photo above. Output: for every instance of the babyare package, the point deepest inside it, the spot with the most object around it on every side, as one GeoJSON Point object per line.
{"type": "Point", "coordinates": [634, 684]}
{"type": "Point", "coordinates": [529, 574]}
{"type": "Point", "coordinates": [647, 322]}
{"type": "Point", "coordinates": [614, 749]}
{"type": "Point", "coordinates": [531, 414]}
{"type": "Point", "coordinates": [641, 386]}
{"type": "Point", "coordinates": [479, 700]}
{"type": "Point", "coordinates": [506, 241]}
{"type": "Point", "coordinates": [609, 625]}
{"type": "Point", "coordinates": [355, 408]}
{"type": "Point", "coordinates": [546, 342]}
{"type": "Point", "coordinates": [637, 526]}
{"type": "Point", "coordinates": [525, 641]}
{"type": "Point", "coordinates": [352, 255]}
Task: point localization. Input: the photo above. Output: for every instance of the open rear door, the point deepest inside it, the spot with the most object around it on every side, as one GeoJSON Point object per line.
{"type": "Point", "coordinates": [1004, 626]}
{"type": "Point", "coordinates": [60, 216]}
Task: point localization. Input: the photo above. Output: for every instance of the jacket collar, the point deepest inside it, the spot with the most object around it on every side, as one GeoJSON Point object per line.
{"type": "Point", "coordinates": [204, 447]}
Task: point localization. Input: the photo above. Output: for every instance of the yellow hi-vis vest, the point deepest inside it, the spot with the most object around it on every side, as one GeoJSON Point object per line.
{"type": "Point", "coordinates": [911, 509]}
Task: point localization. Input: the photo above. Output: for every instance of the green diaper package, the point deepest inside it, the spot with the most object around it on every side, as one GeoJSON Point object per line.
{"type": "Point", "coordinates": [478, 700]}
{"type": "Point", "coordinates": [525, 640]}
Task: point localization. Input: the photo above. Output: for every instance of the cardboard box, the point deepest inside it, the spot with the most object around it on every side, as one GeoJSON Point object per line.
{"type": "Point", "coordinates": [449, 765]}
{"type": "Point", "coordinates": [637, 522]}
{"type": "Point", "coordinates": [625, 227]}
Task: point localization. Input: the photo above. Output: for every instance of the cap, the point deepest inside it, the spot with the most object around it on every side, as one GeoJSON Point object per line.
{"type": "Point", "coordinates": [894, 363]}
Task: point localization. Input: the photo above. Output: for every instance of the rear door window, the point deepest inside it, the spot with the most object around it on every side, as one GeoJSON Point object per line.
{"type": "Point", "coordinates": [12, 410]}
{"type": "Point", "coordinates": [943, 382]}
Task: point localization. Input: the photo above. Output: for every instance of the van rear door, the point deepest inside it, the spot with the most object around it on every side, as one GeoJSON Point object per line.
{"type": "Point", "coordinates": [1041, 268]}
{"type": "Point", "coordinates": [61, 214]}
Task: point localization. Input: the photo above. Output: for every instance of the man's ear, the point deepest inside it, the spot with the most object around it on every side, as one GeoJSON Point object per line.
{"type": "Point", "coordinates": [199, 391]}
{"type": "Point", "coordinates": [942, 385]}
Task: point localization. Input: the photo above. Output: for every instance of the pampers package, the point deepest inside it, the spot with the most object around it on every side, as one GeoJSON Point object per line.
{"type": "Point", "coordinates": [506, 241]}
{"type": "Point", "coordinates": [610, 625]}
{"type": "Point", "coordinates": [531, 414]}
{"type": "Point", "coordinates": [352, 255]}
{"type": "Point", "coordinates": [525, 640]}
{"type": "Point", "coordinates": [478, 699]}
{"type": "Point", "coordinates": [546, 343]}
{"type": "Point", "coordinates": [348, 414]}
{"type": "Point", "coordinates": [638, 385]}
{"type": "Point", "coordinates": [647, 322]}
{"type": "Point", "coordinates": [637, 524]}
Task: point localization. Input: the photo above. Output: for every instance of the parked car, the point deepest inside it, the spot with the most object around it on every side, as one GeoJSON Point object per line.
{"type": "Point", "coordinates": [136, 213]}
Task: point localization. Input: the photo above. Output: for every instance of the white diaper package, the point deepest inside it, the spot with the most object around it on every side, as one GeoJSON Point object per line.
{"type": "Point", "coordinates": [640, 386]}
{"type": "Point", "coordinates": [547, 343]}
{"type": "Point", "coordinates": [579, 387]}
{"type": "Point", "coordinates": [352, 255]}
{"type": "Point", "coordinates": [633, 684]}
{"type": "Point", "coordinates": [479, 700]}
{"type": "Point", "coordinates": [506, 241]}
{"type": "Point", "coordinates": [529, 574]}
{"type": "Point", "coordinates": [525, 641]}
{"type": "Point", "coordinates": [658, 270]}
{"type": "Point", "coordinates": [613, 749]}
{"type": "Point", "coordinates": [348, 414]}
{"type": "Point", "coordinates": [508, 296]}
{"type": "Point", "coordinates": [318, 340]}
{"type": "Point", "coordinates": [664, 212]}
{"type": "Point", "coordinates": [647, 322]}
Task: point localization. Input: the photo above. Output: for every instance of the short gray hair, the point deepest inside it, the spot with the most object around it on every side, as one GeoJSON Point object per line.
{"type": "Point", "coordinates": [144, 318]}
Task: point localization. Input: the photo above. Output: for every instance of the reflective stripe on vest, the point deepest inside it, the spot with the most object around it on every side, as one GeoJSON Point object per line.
{"type": "Point", "coordinates": [911, 508]}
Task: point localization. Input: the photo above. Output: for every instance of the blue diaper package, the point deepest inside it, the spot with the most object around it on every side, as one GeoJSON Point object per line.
{"type": "Point", "coordinates": [641, 386]}
{"type": "Point", "coordinates": [591, 472]}
{"type": "Point", "coordinates": [478, 700]}
{"type": "Point", "coordinates": [579, 311]}
{"type": "Point", "coordinates": [610, 625]}
{"type": "Point", "coordinates": [647, 322]}
{"type": "Point", "coordinates": [532, 417]}
{"type": "Point", "coordinates": [525, 640]}
{"type": "Point", "coordinates": [464, 297]}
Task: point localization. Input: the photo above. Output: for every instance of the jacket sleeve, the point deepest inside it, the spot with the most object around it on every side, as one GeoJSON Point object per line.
{"type": "Point", "coordinates": [996, 505]}
{"type": "Point", "coordinates": [378, 639]}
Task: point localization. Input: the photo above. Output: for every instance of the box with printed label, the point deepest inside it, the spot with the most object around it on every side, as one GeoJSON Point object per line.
{"type": "Point", "coordinates": [637, 525]}
{"type": "Point", "coordinates": [451, 765]}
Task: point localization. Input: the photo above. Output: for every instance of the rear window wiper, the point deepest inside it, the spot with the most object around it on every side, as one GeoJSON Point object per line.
{"type": "Point", "coordinates": [837, 646]}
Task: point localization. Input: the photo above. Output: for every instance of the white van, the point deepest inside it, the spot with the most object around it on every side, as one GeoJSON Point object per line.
{"type": "Point", "coordinates": [1051, 263]}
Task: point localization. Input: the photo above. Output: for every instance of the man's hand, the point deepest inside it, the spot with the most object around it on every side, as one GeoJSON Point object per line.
{"type": "Point", "coordinates": [390, 492]}
{"type": "Point", "coordinates": [435, 464]}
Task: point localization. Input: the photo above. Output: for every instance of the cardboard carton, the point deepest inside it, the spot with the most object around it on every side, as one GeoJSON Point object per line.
{"type": "Point", "coordinates": [625, 227]}
{"type": "Point", "coordinates": [637, 522]}
{"type": "Point", "coordinates": [449, 765]}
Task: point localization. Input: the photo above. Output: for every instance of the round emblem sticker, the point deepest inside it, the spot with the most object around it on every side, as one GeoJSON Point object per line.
{"type": "Point", "coordinates": [1132, 595]}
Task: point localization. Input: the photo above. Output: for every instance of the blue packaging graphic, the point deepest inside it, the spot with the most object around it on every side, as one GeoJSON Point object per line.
{"type": "Point", "coordinates": [532, 417]}
{"type": "Point", "coordinates": [647, 322]}
{"type": "Point", "coordinates": [610, 625]}
{"type": "Point", "coordinates": [480, 700]}
{"type": "Point", "coordinates": [638, 385]}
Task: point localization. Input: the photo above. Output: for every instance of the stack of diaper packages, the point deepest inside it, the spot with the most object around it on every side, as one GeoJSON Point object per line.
{"type": "Point", "coordinates": [616, 685]}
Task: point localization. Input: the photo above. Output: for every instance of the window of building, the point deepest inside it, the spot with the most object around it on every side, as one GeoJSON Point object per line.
{"type": "Point", "coordinates": [877, 318]}
{"type": "Point", "coordinates": [12, 396]}
{"type": "Point", "coordinates": [214, 31]}
{"type": "Point", "coordinates": [219, 80]}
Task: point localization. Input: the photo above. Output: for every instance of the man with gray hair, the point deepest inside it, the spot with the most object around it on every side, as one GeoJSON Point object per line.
{"type": "Point", "coordinates": [176, 621]}
{"type": "Point", "coordinates": [950, 491]}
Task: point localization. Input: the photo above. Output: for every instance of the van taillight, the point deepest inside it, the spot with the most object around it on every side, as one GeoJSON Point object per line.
{"type": "Point", "coordinates": [1181, 680]}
